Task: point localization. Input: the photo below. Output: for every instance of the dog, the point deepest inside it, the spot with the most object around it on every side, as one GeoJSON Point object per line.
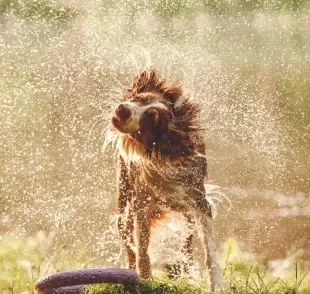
{"type": "Point", "coordinates": [162, 167]}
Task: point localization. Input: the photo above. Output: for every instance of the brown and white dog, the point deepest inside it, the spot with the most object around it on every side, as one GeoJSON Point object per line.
{"type": "Point", "coordinates": [162, 167]}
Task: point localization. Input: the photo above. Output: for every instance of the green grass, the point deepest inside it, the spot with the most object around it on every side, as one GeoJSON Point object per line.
{"type": "Point", "coordinates": [144, 287]}
{"type": "Point", "coordinates": [254, 281]}
{"type": "Point", "coordinates": [24, 260]}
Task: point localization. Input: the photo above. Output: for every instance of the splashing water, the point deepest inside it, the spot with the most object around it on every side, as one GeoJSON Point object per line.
{"type": "Point", "coordinates": [61, 74]}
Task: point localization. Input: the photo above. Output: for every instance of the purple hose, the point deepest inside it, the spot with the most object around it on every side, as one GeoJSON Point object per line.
{"type": "Point", "coordinates": [73, 281]}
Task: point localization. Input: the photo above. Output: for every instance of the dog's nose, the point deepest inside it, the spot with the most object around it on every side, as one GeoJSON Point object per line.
{"type": "Point", "coordinates": [123, 111]}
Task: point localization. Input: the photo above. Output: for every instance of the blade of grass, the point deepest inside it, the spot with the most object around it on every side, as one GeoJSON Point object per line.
{"type": "Point", "coordinates": [247, 279]}
{"type": "Point", "coordinates": [302, 279]}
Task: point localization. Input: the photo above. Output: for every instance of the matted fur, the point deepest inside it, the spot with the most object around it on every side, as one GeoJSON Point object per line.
{"type": "Point", "coordinates": [162, 167]}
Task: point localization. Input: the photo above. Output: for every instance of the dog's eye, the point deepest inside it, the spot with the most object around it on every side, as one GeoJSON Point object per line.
{"type": "Point", "coordinates": [154, 114]}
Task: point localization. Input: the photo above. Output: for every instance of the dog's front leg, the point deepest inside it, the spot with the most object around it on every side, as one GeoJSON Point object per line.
{"type": "Point", "coordinates": [125, 199]}
{"type": "Point", "coordinates": [206, 231]}
{"type": "Point", "coordinates": [187, 250]}
{"type": "Point", "coordinates": [142, 240]}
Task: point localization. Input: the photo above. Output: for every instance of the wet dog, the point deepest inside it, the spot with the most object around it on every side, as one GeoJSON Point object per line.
{"type": "Point", "coordinates": [162, 167]}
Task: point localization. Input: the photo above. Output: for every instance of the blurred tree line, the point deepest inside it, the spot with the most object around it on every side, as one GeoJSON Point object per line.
{"type": "Point", "coordinates": [53, 9]}
{"type": "Point", "coordinates": [34, 9]}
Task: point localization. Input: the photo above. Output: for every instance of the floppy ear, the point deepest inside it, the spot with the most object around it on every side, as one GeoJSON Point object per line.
{"type": "Point", "coordinates": [144, 82]}
{"type": "Point", "coordinates": [171, 91]}
{"type": "Point", "coordinates": [155, 131]}
{"type": "Point", "coordinates": [148, 130]}
{"type": "Point", "coordinates": [162, 140]}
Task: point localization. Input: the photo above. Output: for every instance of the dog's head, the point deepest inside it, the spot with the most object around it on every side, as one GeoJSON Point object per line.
{"type": "Point", "coordinates": [151, 115]}
{"type": "Point", "coordinates": [142, 114]}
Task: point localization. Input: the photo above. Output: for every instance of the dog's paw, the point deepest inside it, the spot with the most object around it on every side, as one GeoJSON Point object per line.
{"type": "Point", "coordinates": [220, 285]}
{"type": "Point", "coordinates": [218, 282]}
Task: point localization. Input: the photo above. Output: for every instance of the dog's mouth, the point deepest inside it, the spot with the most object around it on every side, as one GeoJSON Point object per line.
{"type": "Point", "coordinates": [116, 121]}
{"type": "Point", "coordinates": [124, 126]}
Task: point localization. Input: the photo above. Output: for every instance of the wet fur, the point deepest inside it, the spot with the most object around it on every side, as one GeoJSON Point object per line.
{"type": "Point", "coordinates": [162, 167]}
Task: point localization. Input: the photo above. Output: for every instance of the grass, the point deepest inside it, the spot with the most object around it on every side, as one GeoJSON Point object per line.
{"type": "Point", "coordinates": [24, 260]}
{"type": "Point", "coordinates": [144, 287]}
{"type": "Point", "coordinates": [253, 281]}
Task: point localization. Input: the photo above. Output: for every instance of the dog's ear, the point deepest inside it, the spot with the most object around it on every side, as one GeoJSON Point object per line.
{"type": "Point", "coordinates": [172, 91]}
{"type": "Point", "coordinates": [162, 144]}
{"type": "Point", "coordinates": [146, 81]}
{"type": "Point", "coordinates": [155, 131]}
{"type": "Point", "coordinates": [148, 124]}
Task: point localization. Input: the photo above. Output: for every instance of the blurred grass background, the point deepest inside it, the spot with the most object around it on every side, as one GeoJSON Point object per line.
{"type": "Point", "coordinates": [62, 68]}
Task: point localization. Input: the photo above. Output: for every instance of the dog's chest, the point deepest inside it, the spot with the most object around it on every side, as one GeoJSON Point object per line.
{"type": "Point", "coordinates": [172, 185]}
